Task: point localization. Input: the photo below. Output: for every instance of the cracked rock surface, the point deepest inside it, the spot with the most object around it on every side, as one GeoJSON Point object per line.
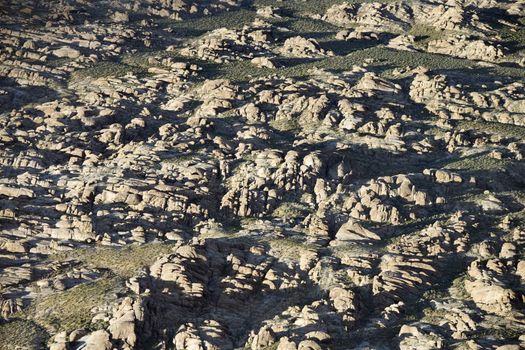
{"type": "Point", "coordinates": [264, 175]}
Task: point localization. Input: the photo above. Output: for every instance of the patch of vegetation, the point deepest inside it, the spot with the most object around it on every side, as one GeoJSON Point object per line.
{"type": "Point", "coordinates": [383, 56]}
{"type": "Point", "coordinates": [290, 210]}
{"type": "Point", "coordinates": [98, 325]}
{"type": "Point", "coordinates": [434, 316]}
{"type": "Point", "coordinates": [458, 284]}
{"type": "Point", "coordinates": [138, 60]}
{"type": "Point", "coordinates": [478, 162]}
{"type": "Point", "coordinates": [501, 332]}
{"type": "Point", "coordinates": [410, 227]}
{"type": "Point", "coordinates": [434, 131]}
{"type": "Point", "coordinates": [289, 247]}
{"type": "Point", "coordinates": [229, 19]}
{"type": "Point", "coordinates": [239, 71]}
{"type": "Point", "coordinates": [71, 309]}
{"type": "Point", "coordinates": [247, 221]}
{"type": "Point", "coordinates": [229, 114]}
{"type": "Point", "coordinates": [378, 56]}
{"type": "Point", "coordinates": [494, 128]}
{"type": "Point", "coordinates": [301, 6]}
{"type": "Point", "coordinates": [310, 28]}
{"type": "Point", "coordinates": [59, 62]}
{"type": "Point", "coordinates": [285, 125]}
{"type": "Point", "coordinates": [274, 346]}
{"type": "Point", "coordinates": [307, 7]}
{"type": "Point", "coordinates": [124, 262]}
{"type": "Point", "coordinates": [22, 334]}
{"type": "Point", "coordinates": [425, 33]}
{"type": "Point", "coordinates": [434, 294]}
{"type": "Point", "coordinates": [514, 37]}
{"type": "Point", "coordinates": [179, 159]}
{"type": "Point", "coordinates": [230, 228]}
{"type": "Point", "coordinates": [106, 69]}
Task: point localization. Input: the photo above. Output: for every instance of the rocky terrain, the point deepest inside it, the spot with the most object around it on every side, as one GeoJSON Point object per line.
{"type": "Point", "coordinates": [263, 175]}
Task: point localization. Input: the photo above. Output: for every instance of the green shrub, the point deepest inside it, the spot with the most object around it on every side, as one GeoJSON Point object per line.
{"type": "Point", "coordinates": [20, 334]}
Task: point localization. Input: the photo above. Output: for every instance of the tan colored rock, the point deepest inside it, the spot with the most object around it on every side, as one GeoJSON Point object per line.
{"type": "Point", "coordinates": [491, 297]}
{"type": "Point", "coordinates": [98, 340]}
{"type": "Point", "coordinates": [263, 62]}
{"type": "Point", "coordinates": [298, 46]}
{"type": "Point", "coordinates": [353, 231]}
{"type": "Point", "coordinates": [67, 52]}
{"type": "Point", "coordinates": [461, 46]}
{"type": "Point", "coordinates": [263, 339]}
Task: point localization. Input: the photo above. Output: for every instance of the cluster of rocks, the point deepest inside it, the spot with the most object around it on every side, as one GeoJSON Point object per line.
{"type": "Point", "coordinates": [502, 104]}
{"type": "Point", "coordinates": [377, 19]}
{"type": "Point", "coordinates": [173, 298]}
{"type": "Point", "coordinates": [121, 12]}
{"type": "Point", "coordinates": [303, 209]}
{"type": "Point", "coordinates": [298, 46]}
{"type": "Point", "coordinates": [258, 42]}
{"type": "Point", "coordinates": [460, 46]}
{"type": "Point", "coordinates": [223, 44]}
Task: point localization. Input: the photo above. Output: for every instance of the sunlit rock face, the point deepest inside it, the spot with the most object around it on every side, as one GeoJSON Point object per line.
{"type": "Point", "coordinates": [290, 175]}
